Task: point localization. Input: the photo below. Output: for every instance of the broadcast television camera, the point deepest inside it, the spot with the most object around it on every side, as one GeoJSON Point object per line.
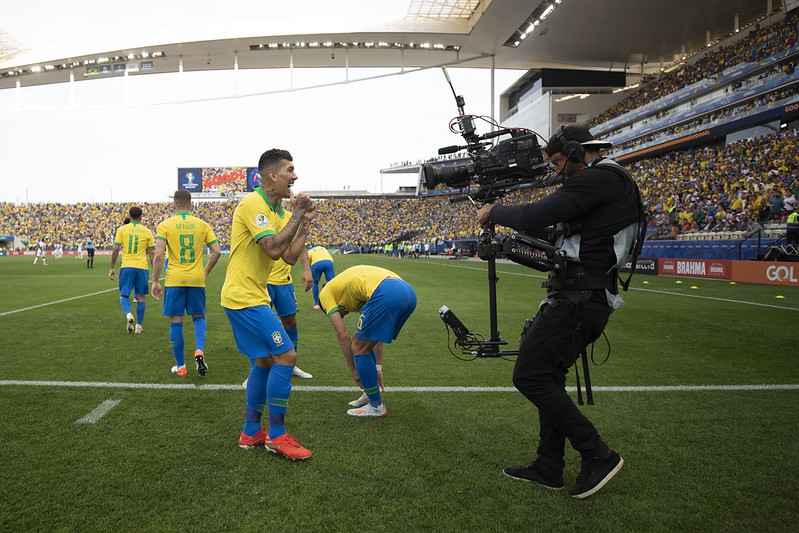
{"type": "Point", "coordinates": [496, 170]}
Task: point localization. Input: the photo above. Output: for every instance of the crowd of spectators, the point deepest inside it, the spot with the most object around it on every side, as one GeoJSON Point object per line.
{"type": "Point", "coordinates": [705, 121]}
{"type": "Point", "coordinates": [729, 188]}
{"type": "Point", "coordinates": [72, 224]}
{"type": "Point", "coordinates": [743, 186]}
{"type": "Point", "coordinates": [759, 44]}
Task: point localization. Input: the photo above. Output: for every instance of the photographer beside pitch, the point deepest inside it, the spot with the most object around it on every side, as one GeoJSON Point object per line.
{"type": "Point", "coordinates": [597, 211]}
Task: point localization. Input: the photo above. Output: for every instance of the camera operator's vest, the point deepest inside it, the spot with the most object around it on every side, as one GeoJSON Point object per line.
{"type": "Point", "coordinates": [569, 240]}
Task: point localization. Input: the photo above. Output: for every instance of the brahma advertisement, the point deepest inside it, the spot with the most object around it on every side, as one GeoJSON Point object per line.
{"type": "Point", "coordinates": [696, 268]}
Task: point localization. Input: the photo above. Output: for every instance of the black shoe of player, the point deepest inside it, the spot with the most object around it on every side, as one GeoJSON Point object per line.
{"type": "Point", "coordinates": [535, 473]}
{"type": "Point", "coordinates": [199, 362]}
{"type": "Point", "coordinates": [595, 473]}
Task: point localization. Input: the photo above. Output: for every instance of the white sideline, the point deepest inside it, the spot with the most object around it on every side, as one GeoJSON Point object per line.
{"type": "Point", "coordinates": [450, 265]}
{"type": "Point", "coordinates": [670, 293]}
{"type": "Point", "coordinates": [306, 388]}
{"type": "Point", "coordinates": [58, 301]}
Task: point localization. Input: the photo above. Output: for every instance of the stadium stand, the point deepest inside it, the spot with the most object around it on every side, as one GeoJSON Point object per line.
{"type": "Point", "coordinates": [749, 81]}
{"type": "Point", "coordinates": [699, 194]}
{"type": "Point", "coordinates": [761, 45]}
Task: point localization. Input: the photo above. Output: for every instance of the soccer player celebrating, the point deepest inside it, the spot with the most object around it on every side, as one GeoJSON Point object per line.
{"type": "Point", "coordinates": [136, 242]}
{"type": "Point", "coordinates": [385, 302]}
{"type": "Point", "coordinates": [263, 232]}
{"type": "Point", "coordinates": [183, 237]}
{"type": "Point", "coordinates": [321, 263]}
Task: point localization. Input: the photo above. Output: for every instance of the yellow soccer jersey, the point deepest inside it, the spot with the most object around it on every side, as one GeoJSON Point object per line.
{"type": "Point", "coordinates": [281, 271]}
{"type": "Point", "coordinates": [351, 289]}
{"type": "Point", "coordinates": [135, 239]}
{"type": "Point", "coordinates": [319, 253]}
{"type": "Point", "coordinates": [185, 237]}
{"type": "Point", "coordinates": [248, 267]}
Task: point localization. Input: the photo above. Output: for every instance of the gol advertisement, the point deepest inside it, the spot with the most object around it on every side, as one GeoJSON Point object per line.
{"type": "Point", "coordinates": [771, 273]}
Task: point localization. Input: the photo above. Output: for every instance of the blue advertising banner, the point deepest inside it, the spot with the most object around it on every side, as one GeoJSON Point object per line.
{"type": "Point", "coordinates": [190, 179]}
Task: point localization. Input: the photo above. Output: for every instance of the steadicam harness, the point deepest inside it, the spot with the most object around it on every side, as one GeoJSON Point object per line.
{"type": "Point", "coordinates": [575, 277]}
{"type": "Point", "coordinates": [546, 257]}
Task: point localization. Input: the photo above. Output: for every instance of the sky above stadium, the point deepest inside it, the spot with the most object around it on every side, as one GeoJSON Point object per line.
{"type": "Point", "coordinates": [55, 29]}
{"type": "Point", "coordinates": [111, 140]}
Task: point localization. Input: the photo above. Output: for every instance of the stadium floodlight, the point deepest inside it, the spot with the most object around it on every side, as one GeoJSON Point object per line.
{"type": "Point", "coordinates": [539, 14]}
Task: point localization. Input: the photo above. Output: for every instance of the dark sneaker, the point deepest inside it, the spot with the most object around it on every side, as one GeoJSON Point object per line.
{"type": "Point", "coordinates": [199, 362]}
{"type": "Point", "coordinates": [595, 473]}
{"type": "Point", "coordinates": [535, 473]}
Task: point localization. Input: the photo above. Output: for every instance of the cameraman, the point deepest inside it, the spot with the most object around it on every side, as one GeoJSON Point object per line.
{"type": "Point", "coordinates": [596, 212]}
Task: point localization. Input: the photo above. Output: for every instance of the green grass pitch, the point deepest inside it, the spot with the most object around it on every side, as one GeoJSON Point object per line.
{"type": "Point", "coordinates": [684, 398]}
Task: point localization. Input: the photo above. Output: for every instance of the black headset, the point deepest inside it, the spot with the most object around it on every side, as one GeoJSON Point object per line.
{"type": "Point", "coordinates": [573, 150]}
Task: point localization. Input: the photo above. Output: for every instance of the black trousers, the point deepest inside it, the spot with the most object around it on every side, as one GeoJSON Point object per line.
{"type": "Point", "coordinates": [563, 326]}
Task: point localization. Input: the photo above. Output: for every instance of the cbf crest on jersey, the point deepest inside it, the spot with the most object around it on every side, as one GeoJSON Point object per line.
{"type": "Point", "coordinates": [277, 338]}
{"type": "Point", "coordinates": [261, 221]}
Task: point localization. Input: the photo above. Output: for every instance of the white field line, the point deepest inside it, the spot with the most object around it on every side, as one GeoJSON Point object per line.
{"type": "Point", "coordinates": [58, 301]}
{"type": "Point", "coordinates": [99, 412]}
{"type": "Point", "coordinates": [529, 275]}
{"type": "Point", "coordinates": [449, 265]}
{"type": "Point", "coordinates": [305, 388]}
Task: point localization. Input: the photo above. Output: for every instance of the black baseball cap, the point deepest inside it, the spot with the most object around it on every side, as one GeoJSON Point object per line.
{"type": "Point", "coordinates": [579, 133]}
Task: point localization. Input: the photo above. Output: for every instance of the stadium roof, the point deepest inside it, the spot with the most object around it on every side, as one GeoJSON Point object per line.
{"type": "Point", "coordinates": [55, 41]}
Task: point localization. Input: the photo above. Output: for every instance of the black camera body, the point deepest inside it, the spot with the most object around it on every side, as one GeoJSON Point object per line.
{"type": "Point", "coordinates": [514, 161]}
{"type": "Point", "coordinates": [496, 170]}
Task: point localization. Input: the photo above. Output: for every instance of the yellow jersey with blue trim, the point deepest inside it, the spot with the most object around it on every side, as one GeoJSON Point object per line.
{"type": "Point", "coordinates": [185, 236]}
{"type": "Point", "coordinates": [134, 239]}
{"type": "Point", "coordinates": [281, 271]}
{"type": "Point", "coordinates": [319, 253]}
{"type": "Point", "coordinates": [248, 266]}
{"type": "Point", "coordinates": [350, 290]}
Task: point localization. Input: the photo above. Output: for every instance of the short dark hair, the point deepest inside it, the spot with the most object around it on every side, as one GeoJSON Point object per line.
{"type": "Point", "coordinates": [182, 198]}
{"type": "Point", "coordinates": [135, 212]}
{"type": "Point", "coordinates": [271, 160]}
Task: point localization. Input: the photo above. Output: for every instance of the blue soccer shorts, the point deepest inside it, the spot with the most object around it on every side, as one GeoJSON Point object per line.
{"type": "Point", "coordinates": [326, 267]}
{"type": "Point", "coordinates": [133, 280]}
{"type": "Point", "coordinates": [258, 331]}
{"type": "Point", "coordinates": [283, 299]}
{"type": "Point", "coordinates": [383, 316]}
{"type": "Point", "coordinates": [180, 300]}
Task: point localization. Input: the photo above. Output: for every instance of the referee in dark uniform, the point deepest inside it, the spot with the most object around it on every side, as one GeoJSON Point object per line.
{"type": "Point", "coordinates": [595, 214]}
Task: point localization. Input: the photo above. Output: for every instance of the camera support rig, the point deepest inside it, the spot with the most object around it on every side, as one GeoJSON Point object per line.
{"type": "Point", "coordinates": [470, 343]}
{"type": "Point", "coordinates": [511, 163]}
{"type": "Point", "coordinates": [487, 250]}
